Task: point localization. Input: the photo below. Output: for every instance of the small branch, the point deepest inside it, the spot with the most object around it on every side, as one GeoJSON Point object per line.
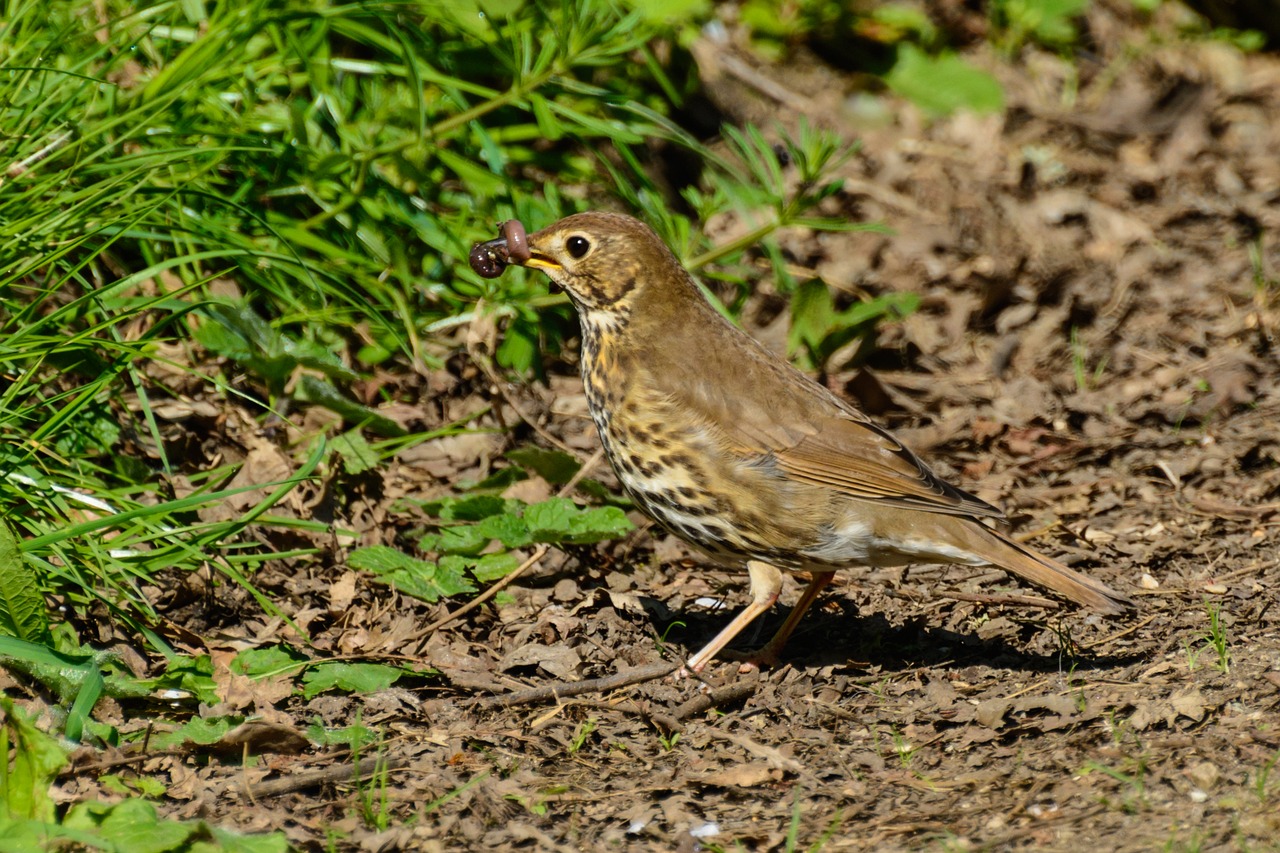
{"type": "Point", "coordinates": [555, 692]}
{"type": "Point", "coordinates": [1016, 600]}
{"type": "Point", "coordinates": [316, 778]}
{"type": "Point", "coordinates": [498, 586]}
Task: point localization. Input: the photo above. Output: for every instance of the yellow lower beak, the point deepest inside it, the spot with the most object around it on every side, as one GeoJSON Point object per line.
{"type": "Point", "coordinates": [541, 262]}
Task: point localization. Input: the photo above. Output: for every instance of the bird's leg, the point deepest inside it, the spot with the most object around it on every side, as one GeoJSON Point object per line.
{"type": "Point", "coordinates": [766, 583]}
{"type": "Point", "coordinates": [770, 654]}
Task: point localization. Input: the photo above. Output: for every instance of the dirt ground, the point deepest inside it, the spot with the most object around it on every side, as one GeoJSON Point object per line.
{"type": "Point", "coordinates": [1096, 351]}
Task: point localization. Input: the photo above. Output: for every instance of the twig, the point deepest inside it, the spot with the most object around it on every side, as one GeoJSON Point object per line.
{"type": "Point", "coordinates": [498, 586]}
{"type": "Point", "coordinates": [1118, 634]}
{"type": "Point", "coordinates": [740, 689]}
{"type": "Point", "coordinates": [555, 692]}
{"type": "Point", "coordinates": [743, 688]}
{"type": "Point", "coordinates": [334, 773]}
{"type": "Point", "coordinates": [1019, 600]}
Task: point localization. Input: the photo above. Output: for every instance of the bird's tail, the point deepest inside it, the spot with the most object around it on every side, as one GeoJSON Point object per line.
{"type": "Point", "coordinates": [1047, 572]}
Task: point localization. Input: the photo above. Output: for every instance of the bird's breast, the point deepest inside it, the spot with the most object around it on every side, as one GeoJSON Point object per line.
{"type": "Point", "coordinates": [680, 473]}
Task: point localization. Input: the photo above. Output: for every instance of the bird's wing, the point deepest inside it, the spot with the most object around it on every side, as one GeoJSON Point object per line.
{"type": "Point", "coordinates": [817, 438]}
{"type": "Point", "coordinates": [854, 456]}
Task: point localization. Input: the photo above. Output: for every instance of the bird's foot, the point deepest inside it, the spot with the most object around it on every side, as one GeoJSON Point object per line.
{"type": "Point", "coordinates": [763, 658]}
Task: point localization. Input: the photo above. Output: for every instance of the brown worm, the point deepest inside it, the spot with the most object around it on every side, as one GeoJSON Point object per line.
{"type": "Point", "coordinates": [517, 241]}
{"type": "Point", "coordinates": [491, 257]}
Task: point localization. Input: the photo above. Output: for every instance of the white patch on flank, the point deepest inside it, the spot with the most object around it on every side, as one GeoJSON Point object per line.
{"type": "Point", "coordinates": [852, 544]}
{"type": "Point", "coordinates": [928, 550]}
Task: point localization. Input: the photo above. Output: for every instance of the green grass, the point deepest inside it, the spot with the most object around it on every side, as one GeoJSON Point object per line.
{"type": "Point", "coordinates": [252, 207]}
{"type": "Point", "coordinates": [262, 202]}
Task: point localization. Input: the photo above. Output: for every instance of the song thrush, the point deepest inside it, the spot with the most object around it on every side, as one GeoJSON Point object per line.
{"type": "Point", "coordinates": [737, 452]}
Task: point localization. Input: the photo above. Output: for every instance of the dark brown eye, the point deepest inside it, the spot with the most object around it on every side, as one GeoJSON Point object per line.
{"type": "Point", "coordinates": [577, 246]}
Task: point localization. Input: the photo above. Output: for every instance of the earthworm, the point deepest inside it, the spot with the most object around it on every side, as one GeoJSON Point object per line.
{"type": "Point", "coordinates": [517, 241]}
{"type": "Point", "coordinates": [490, 258]}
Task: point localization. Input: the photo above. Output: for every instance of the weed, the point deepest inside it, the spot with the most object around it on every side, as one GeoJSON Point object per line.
{"type": "Point", "coordinates": [1085, 377]}
{"type": "Point", "coordinates": [668, 741]}
{"type": "Point", "coordinates": [1262, 778]}
{"type": "Point", "coordinates": [371, 790]}
{"type": "Point", "coordinates": [791, 842]}
{"type": "Point", "coordinates": [905, 751]}
{"type": "Point", "coordinates": [1081, 698]}
{"type": "Point", "coordinates": [580, 736]}
{"type": "Point", "coordinates": [1212, 640]}
{"type": "Point", "coordinates": [1048, 22]}
{"type": "Point", "coordinates": [660, 641]}
{"type": "Point", "coordinates": [1133, 783]}
{"type": "Point", "coordinates": [1216, 638]}
{"type": "Point", "coordinates": [1120, 729]}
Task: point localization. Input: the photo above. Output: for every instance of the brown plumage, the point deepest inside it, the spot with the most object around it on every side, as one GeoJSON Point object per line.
{"type": "Point", "coordinates": [736, 451]}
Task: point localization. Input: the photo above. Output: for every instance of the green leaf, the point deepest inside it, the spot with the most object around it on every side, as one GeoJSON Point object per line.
{"type": "Point", "coordinates": [354, 736]}
{"type": "Point", "coordinates": [193, 675]}
{"type": "Point", "coordinates": [671, 11]}
{"type": "Point", "coordinates": [598, 524]}
{"type": "Point", "coordinates": [470, 508]}
{"type": "Point", "coordinates": [349, 677]}
{"type": "Point", "coordinates": [512, 531]}
{"type": "Point", "coordinates": [1050, 22]}
{"type": "Point", "coordinates": [561, 520]}
{"type": "Point", "coordinates": [418, 578]}
{"type": "Point", "coordinates": [37, 758]}
{"type": "Point", "coordinates": [465, 538]}
{"type": "Point", "coordinates": [357, 454]}
{"type": "Point", "coordinates": [550, 519]}
{"type": "Point", "coordinates": [942, 84]}
{"type": "Point", "coordinates": [22, 609]}
{"type": "Point", "coordinates": [492, 567]}
{"type": "Point", "coordinates": [316, 389]}
{"type": "Point", "coordinates": [200, 731]}
{"type": "Point", "coordinates": [268, 660]}
{"type": "Point", "coordinates": [813, 315]}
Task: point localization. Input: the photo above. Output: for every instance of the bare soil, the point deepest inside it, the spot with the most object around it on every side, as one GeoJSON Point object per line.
{"type": "Point", "coordinates": [1096, 351]}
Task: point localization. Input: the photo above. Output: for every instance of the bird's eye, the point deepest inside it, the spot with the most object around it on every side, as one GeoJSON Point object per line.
{"type": "Point", "coordinates": [577, 245]}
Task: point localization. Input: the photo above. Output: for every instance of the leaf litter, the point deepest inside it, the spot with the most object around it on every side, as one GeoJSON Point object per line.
{"type": "Point", "coordinates": [1095, 349]}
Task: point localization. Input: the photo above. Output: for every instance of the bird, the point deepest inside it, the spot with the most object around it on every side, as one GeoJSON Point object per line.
{"type": "Point", "coordinates": [739, 453]}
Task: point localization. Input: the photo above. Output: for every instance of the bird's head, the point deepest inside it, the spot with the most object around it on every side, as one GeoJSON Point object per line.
{"type": "Point", "coordinates": [604, 261]}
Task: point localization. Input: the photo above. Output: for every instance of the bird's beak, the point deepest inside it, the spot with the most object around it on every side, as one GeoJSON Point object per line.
{"type": "Point", "coordinates": [538, 260]}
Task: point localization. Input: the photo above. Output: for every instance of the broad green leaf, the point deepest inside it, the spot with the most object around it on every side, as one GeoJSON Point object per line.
{"type": "Point", "coordinates": [942, 84]}
{"type": "Point", "coordinates": [200, 731]}
{"type": "Point", "coordinates": [561, 520]}
{"type": "Point", "coordinates": [268, 660]}
{"type": "Point", "coordinates": [471, 508]}
{"type": "Point", "coordinates": [466, 539]}
{"type": "Point", "coordinates": [598, 524]}
{"type": "Point", "coordinates": [131, 825]}
{"type": "Point", "coordinates": [191, 674]}
{"type": "Point", "coordinates": [492, 567]}
{"type": "Point", "coordinates": [512, 531]}
{"type": "Point", "coordinates": [348, 677]}
{"type": "Point", "coordinates": [22, 608]}
{"type": "Point", "coordinates": [37, 758]}
{"type": "Point", "coordinates": [549, 520]}
{"type": "Point", "coordinates": [412, 576]}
